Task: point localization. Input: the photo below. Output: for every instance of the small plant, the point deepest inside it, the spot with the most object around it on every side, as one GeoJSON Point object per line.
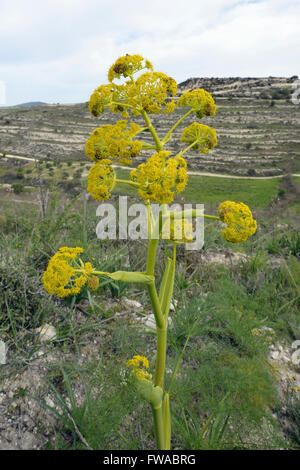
{"type": "Point", "coordinates": [158, 180]}
{"type": "Point", "coordinates": [18, 188]}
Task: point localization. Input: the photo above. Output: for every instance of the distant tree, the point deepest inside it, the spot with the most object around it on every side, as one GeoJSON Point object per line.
{"type": "Point", "coordinates": [18, 188]}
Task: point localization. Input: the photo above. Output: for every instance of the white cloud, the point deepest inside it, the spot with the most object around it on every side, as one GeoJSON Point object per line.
{"type": "Point", "coordinates": [60, 50]}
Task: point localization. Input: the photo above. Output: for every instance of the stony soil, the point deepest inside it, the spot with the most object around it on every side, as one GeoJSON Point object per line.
{"type": "Point", "coordinates": [25, 424]}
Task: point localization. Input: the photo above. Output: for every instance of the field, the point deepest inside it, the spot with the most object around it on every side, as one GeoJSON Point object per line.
{"type": "Point", "coordinates": [256, 122]}
{"type": "Point", "coordinates": [234, 321]}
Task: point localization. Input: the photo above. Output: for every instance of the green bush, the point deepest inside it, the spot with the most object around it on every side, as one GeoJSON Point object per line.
{"type": "Point", "coordinates": [21, 298]}
{"type": "Point", "coordinates": [18, 188]}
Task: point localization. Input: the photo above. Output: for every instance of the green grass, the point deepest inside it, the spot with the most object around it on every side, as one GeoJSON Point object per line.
{"type": "Point", "coordinates": [213, 190]}
{"type": "Point", "coordinates": [209, 189]}
{"type": "Point", "coordinates": [224, 373]}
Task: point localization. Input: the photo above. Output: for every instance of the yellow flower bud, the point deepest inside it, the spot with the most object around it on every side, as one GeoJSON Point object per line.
{"type": "Point", "coordinates": [204, 137]}
{"type": "Point", "coordinates": [159, 178]}
{"type": "Point", "coordinates": [101, 180]}
{"type": "Point", "coordinates": [239, 219]}
{"type": "Point", "coordinates": [93, 283]}
{"type": "Point", "coordinates": [200, 101]}
{"type": "Point", "coordinates": [60, 277]}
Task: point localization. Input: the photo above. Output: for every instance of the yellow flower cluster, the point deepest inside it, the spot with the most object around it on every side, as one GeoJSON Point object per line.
{"type": "Point", "coordinates": [114, 141]}
{"type": "Point", "coordinates": [153, 88]}
{"type": "Point", "coordinates": [239, 219]}
{"type": "Point", "coordinates": [200, 101]}
{"type": "Point", "coordinates": [138, 361]}
{"type": "Point", "coordinates": [60, 277]}
{"type": "Point", "coordinates": [93, 283]}
{"type": "Point", "coordinates": [104, 96]}
{"type": "Point", "coordinates": [101, 180]}
{"type": "Point", "coordinates": [127, 65]}
{"type": "Point", "coordinates": [149, 92]}
{"type": "Point", "coordinates": [137, 365]}
{"type": "Point", "coordinates": [178, 230]}
{"type": "Point", "coordinates": [159, 178]}
{"type": "Point", "coordinates": [204, 137]}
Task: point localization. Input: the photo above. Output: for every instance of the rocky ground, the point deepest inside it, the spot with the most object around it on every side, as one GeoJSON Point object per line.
{"type": "Point", "coordinates": [26, 424]}
{"type": "Point", "coordinates": [256, 121]}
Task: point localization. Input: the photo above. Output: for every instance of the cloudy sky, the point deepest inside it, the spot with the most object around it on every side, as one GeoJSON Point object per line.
{"type": "Point", "coordinates": [60, 50]}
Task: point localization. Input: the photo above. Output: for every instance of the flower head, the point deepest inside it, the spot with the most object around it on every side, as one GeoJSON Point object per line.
{"type": "Point", "coordinates": [114, 141]}
{"type": "Point", "coordinates": [137, 362]}
{"type": "Point", "coordinates": [200, 101]}
{"type": "Point", "coordinates": [60, 277]}
{"type": "Point", "coordinates": [137, 366]}
{"type": "Point", "coordinates": [93, 283]}
{"type": "Point", "coordinates": [101, 180]}
{"type": "Point", "coordinates": [204, 137]}
{"type": "Point", "coordinates": [101, 98]}
{"type": "Point", "coordinates": [127, 65]}
{"type": "Point", "coordinates": [159, 178]}
{"type": "Point", "coordinates": [239, 220]}
{"type": "Point", "coordinates": [154, 89]}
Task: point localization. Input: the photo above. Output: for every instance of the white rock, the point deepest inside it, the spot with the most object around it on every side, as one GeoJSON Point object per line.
{"type": "Point", "coordinates": [132, 303]}
{"type": "Point", "coordinates": [150, 322]}
{"type": "Point", "coordinates": [173, 304]}
{"type": "Point", "coordinates": [46, 332]}
{"type": "Point", "coordinates": [2, 352]}
{"type": "Point", "coordinates": [275, 354]}
{"type": "Point", "coordinates": [49, 402]}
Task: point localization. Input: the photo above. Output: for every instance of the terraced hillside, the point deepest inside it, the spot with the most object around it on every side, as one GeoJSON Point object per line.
{"type": "Point", "coordinates": [257, 124]}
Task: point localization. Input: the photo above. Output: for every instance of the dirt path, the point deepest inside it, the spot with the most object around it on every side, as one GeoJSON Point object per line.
{"type": "Point", "coordinates": [196, 173]}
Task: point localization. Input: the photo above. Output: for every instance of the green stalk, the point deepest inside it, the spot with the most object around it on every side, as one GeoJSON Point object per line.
{"type": "Point", "coordinates": [167, 422]}
{"type": "Point", "coordinates": [159, 319]}
{"type": "Point", "coordinates": [152, 247]}
{"type": "Point", "coordinates": [186, 149]}
{"type": "Point", "coordinates": [161, 356]}
{"type": "Point", "coordinates": [191, 213]}
{"type": "Point", "coordinates": [166, 301]}
{"type": "Point", "coordinates": [169, 134]}
{"type": "Point", "coordinates": [159, 427]}
{"type": "Point", "coordinates": [158, 144]}
{"type": "Point", "coordinates": [131, 183]}
{"type": "Point", "coordinates": [164, 281]}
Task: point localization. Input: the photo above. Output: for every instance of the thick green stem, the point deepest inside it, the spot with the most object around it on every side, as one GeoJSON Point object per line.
{"type": "Point", "coordinates": [159, 427]}
{"type": "Point", "coordinates": [161, 356]}
{"type": "Point", "coordinates": [164, 282]}
{"type": "Point", "coordinates": [167, 422]}
{"type": "Point", "coordinates": [158, 144]}
{"type": "Point", "coordinates": [152, 247]}
{"type": "Point", "coordinates": [159, 319]}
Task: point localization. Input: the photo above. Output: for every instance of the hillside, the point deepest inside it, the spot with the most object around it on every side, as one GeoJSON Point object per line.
{"type": "Point", "coordinates": [256, 123]}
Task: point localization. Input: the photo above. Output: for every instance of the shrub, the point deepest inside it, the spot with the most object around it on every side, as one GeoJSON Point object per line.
{"type": "Point", "coordinates": [18, 188]}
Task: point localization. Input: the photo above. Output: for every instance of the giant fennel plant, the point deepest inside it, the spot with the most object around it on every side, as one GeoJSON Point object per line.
{"type": "Point", "coordinates": [143, 92]}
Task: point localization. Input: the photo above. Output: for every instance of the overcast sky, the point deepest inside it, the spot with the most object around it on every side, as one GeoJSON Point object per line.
{"type": "Point", "coordinates": [60, 50]}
